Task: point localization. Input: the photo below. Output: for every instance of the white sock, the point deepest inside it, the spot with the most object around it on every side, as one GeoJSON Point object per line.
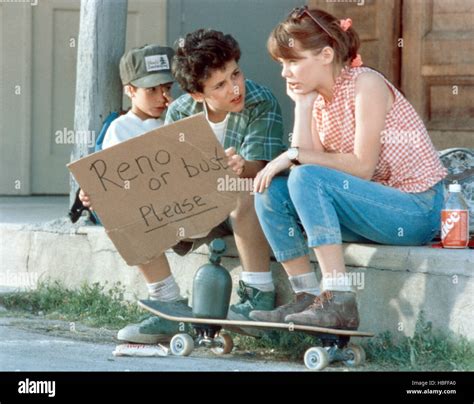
{"type": "Point", "coordinates": [260, 280]}
{"type": "Point", "coordinates": [166, 290]}
{"type": "Point", "coordinates": [307, 283]}
{"type": "Point", "coordinates": [338, 283]}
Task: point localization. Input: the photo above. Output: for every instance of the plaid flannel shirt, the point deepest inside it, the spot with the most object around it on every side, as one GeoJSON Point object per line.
{"type": "Point", "coordinates": [256, 133]}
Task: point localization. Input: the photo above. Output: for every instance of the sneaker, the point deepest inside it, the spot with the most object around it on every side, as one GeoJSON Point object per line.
{"type": "Point", "coordinates": [298, 304]}
{"type": "Point", "coordinates": [250, 299]}
{"type": "Point", "coordinates": [331, 309]}
{"type": "Point", "coordinates": [153, 329]}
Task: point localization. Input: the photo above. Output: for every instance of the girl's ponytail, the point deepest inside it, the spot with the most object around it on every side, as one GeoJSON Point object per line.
{"type": "Point", "coordinates": [351, 42]}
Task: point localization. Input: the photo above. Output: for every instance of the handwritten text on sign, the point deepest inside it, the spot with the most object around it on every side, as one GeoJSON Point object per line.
{"type": "Point", "coordinates": [155, 189]}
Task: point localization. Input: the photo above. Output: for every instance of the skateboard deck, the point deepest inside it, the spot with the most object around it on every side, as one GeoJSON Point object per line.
{"type": "Point", "coordinates": [185, 315]}
{"type": "Point", "coordinates": [335, 342]}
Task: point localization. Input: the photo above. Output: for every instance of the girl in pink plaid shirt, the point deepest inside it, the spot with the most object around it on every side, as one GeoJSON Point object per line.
{"type": "Point", "coordinates": [363, 168]}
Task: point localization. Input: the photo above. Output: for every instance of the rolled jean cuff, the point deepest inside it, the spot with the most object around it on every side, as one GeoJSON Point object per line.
{"type": "Point", "coordinates": [286, 255]}
{"type": "Point", "coordinates": [324, 239]}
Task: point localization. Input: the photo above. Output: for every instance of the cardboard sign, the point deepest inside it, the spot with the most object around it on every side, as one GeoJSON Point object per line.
{"type": "Point", "coordinates": [158, 188]}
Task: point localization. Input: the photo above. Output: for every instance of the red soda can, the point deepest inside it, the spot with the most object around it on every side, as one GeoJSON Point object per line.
{"type": "Point", "coordinates": [455, 220]}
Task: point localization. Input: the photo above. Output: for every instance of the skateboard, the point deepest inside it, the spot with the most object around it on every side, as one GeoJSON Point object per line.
{"type": "Point", "coordinates": [207, 332]}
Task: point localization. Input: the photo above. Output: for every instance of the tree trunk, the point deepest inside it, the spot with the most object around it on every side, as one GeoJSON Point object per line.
{"type": "Point", "coordinates": [101, 44]}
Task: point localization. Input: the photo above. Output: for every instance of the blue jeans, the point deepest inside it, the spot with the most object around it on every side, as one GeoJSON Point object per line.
{"type": "Point", "coordinates": [331, 206]}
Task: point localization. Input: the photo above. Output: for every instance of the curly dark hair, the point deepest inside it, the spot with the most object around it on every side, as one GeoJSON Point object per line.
{"type": "Point", "coordinates": [199, 55]}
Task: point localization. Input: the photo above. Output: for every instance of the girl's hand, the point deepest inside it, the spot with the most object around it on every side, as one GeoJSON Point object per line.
{"type": "Point", "coordinates": [235, 161]}
{"type": "Point", "coordinates": [84, 198]}
{"type": "Point", "coordinates": [299, 98]}
{"type": "Point", "coordinates": [265, 176]}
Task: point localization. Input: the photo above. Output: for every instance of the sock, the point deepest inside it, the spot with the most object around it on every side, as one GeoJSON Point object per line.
{"type": "Point", "coordinates": [305, 283]}
{"type": "Point", "coordinates": [338, 283]}
{"type": "Point", "coordinates": [260, 280]}
{"type": "Point", "coordinates": [166, 290]}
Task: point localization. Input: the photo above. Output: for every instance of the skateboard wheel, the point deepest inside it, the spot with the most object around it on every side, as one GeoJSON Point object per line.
{"type": "Point", "coordinates": [316, 358]}
{"type": "Point", "coordinates": [356, 355]}
{"type": "Point", "coordinates": [226, 344]}
{"type": "Point", "coordinates": [181, 345]}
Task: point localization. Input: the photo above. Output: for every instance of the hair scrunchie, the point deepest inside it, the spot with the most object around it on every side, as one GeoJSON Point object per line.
{"type": "Point", "coordinates": [346, 24]}
{"type": "Point", "coordinates": [357, 62]}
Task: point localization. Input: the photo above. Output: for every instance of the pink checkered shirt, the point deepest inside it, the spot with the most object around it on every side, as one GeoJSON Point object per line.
{"type": "Point", "coordinates": [408, 160]}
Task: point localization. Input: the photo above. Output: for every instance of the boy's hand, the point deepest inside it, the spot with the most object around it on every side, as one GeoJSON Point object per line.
{"type": "Point", "coordinates": [169, 99]}
{"type": "Point", "coordinates": [235, 161]}
{"type": "Point", "coordinates": [84, 198]}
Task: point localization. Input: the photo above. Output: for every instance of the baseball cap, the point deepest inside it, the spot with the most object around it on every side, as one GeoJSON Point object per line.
{"type": "Point", "coordinates": [148, 66]}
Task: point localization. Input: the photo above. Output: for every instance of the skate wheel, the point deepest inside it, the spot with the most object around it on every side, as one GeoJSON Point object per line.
{"type": "Point", "coordinates": [181, 345]}
{"type": "Point", "coordinates": [316, 358]}
{"type": "Point", "coordinates": [225, 344]}
{"type": "Point", "coordinates": [356, 355]}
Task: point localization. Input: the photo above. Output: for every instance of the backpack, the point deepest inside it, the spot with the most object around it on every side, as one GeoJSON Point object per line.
{"type": "Point", "coordinates": [77, 208]}
{"type": "Point", "coordinates": [105, 126]}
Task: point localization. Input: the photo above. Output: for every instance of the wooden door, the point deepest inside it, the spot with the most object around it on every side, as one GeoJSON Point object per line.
{"type": "Point", "coordinates": [378, 26]}
{"type": "Point", "coordinates": [55, 31]}
{"type": "Point", "coordinates": [438, 67]}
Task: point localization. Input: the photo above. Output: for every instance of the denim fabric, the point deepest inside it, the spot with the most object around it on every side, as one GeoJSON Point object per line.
{"type": "Point", "coordinates": [331, 206]}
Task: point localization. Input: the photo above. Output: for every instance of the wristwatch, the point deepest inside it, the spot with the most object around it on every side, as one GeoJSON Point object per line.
{"type": "Point", "coordinates": [293, 154]}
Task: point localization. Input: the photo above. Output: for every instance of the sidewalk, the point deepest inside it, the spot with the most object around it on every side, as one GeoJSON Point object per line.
{"type": "Point", "coordinates": [394, 283]}
{"type": "Point", "coordinates": [32, 209]}
{"type": "Point", "coordinates": [25, 347]}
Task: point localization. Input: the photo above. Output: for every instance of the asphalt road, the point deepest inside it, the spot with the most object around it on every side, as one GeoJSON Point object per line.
{"type": "Point", "coordinates": [23, 349]}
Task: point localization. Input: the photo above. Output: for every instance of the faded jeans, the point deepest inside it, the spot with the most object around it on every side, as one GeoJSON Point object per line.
{"type": "Point", "coordinates": [331, 206]}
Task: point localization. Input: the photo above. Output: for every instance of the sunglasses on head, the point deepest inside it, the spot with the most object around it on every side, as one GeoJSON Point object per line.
{"type": "Point", "coordinates": [299, 12]}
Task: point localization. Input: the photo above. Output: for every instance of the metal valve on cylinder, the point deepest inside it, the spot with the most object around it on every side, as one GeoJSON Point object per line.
{"type": "Point", "coordinates": [212, 285]}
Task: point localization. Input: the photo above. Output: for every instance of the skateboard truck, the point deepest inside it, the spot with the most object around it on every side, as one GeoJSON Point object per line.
{"type": "Point", "coordinates": [183, 344]}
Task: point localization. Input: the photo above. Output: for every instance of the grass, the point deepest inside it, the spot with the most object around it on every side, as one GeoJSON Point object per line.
{"type": "Point", "coordinates": [426, 350]}
{"type": "Point", "coordinates": [98, 306]}
{"type": "Point", "coordinates": [280, 344]}
{"type": "Point", "coordinates": [92, 305]}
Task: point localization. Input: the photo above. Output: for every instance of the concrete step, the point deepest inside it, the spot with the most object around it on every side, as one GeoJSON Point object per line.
{"type": "Point", "coordinates": [394, 283]}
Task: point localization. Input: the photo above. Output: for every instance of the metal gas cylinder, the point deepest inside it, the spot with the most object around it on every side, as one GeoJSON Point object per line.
{"type": "Point", "coordinates": [212, 285]}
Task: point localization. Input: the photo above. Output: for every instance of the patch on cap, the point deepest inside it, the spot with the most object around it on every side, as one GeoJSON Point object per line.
{"type": "Point", "coordinates": [156, 63]}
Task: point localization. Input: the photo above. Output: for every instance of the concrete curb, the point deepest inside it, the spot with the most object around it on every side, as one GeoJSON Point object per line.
{"type": "Point", "coordinates": [396, 282]}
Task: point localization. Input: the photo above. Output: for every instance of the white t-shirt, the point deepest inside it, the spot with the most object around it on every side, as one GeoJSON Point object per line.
{"type": "Point", "coordinates": [127, 126]}
{"type": "Point", "coordinates": [219, 128]}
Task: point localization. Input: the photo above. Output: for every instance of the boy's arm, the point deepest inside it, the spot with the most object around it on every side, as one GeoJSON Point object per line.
{"type": "Point", "coordinates": [251, 168]}
{"type": "Point", "coordinates": [263, 140]}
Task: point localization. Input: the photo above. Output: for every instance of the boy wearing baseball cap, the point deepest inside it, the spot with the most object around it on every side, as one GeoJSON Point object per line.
{"type": "Point", "coordinates": [146, 76]}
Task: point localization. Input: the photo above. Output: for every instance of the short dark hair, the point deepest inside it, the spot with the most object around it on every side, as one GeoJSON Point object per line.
{"type": "Point", "coordinates": [199, 55]}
